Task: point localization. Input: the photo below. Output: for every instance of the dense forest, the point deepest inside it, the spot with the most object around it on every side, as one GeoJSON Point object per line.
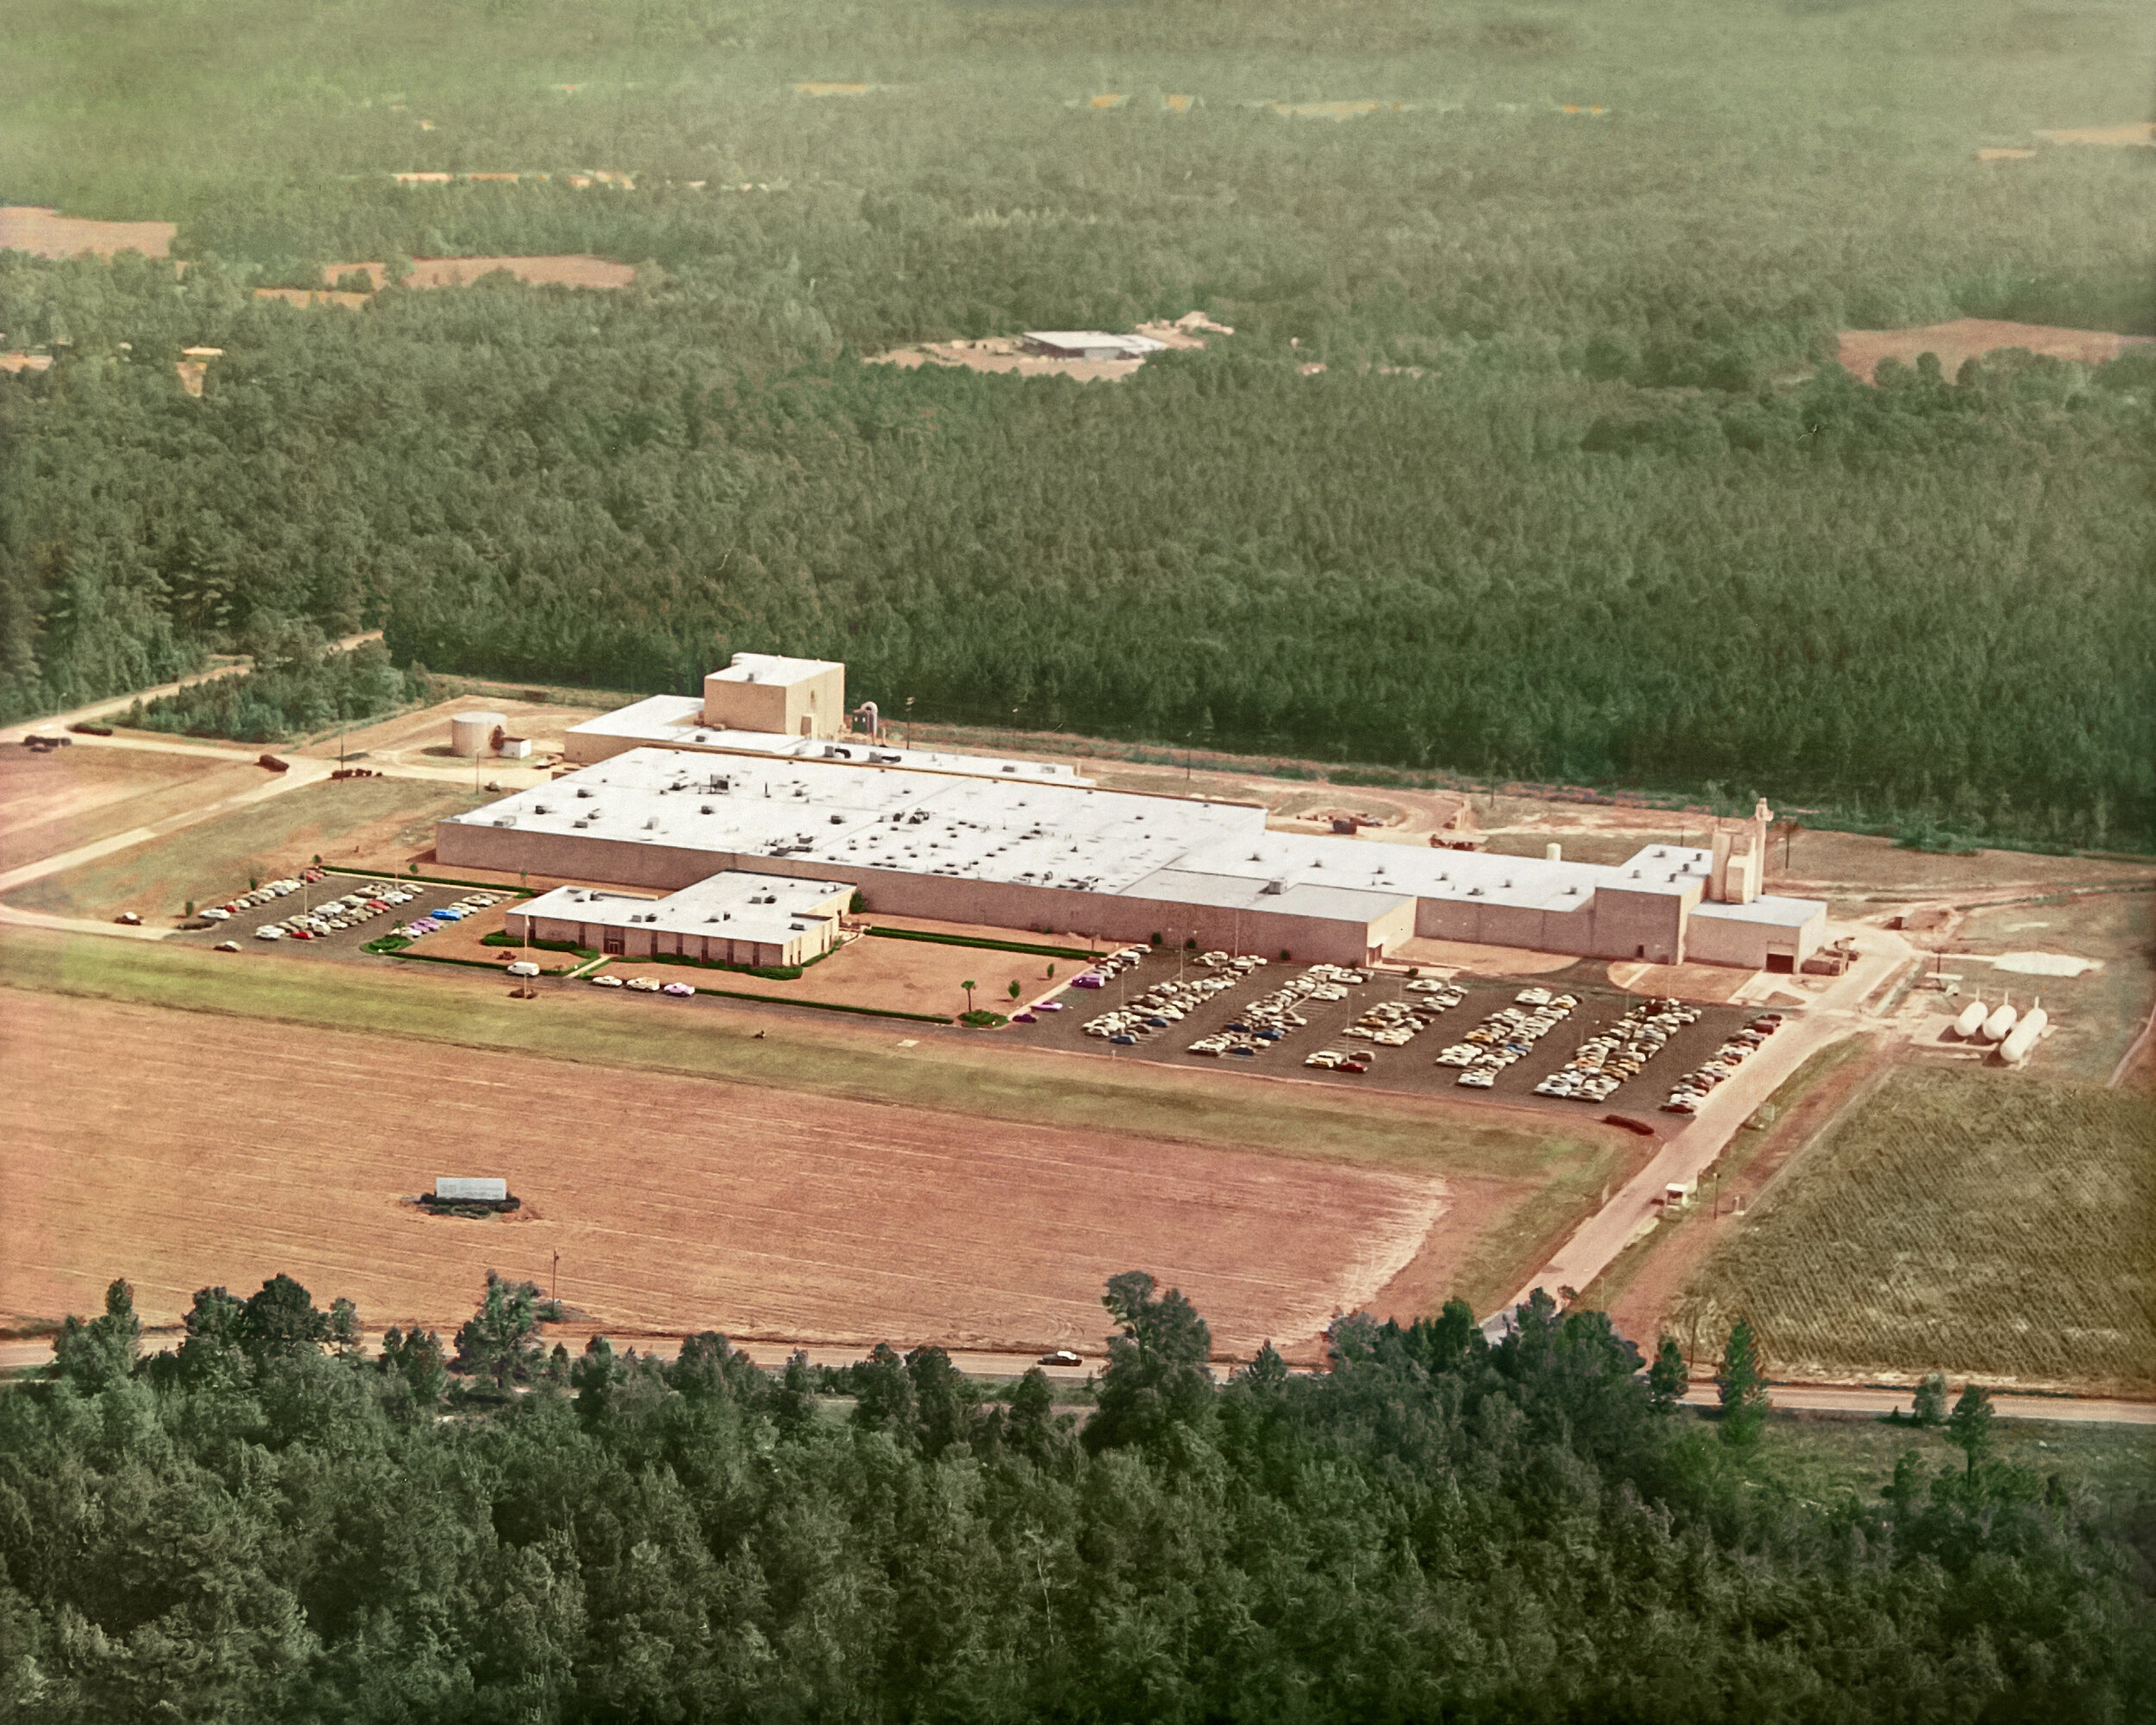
{"type": "Point", "coordinates": [1579, 494]}
{"type": "Point", "coordinates": [295, 685]}
{"type": "Point", "coordinates": [271, 1522]}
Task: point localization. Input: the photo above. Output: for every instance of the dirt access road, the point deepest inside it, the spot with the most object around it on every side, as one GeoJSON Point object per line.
{"type": "Point", "coordinates": [1839, 1013]}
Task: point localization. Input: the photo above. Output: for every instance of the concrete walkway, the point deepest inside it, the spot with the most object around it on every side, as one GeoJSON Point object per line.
{"type": "Point", "coordinates": [1840, 1012]}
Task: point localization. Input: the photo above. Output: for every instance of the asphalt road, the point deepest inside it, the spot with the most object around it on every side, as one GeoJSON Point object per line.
{"type": "Point", "coordinates": [1840, 1012]}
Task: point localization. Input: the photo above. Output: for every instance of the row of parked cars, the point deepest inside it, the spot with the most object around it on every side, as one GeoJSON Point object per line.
{"type": "Point", "coordinates": [443, 915]}
{"type": "Point", "coordinates": [1605, 1060]}
{"type": "Point", "coordinates": [1508, 1035]}
{"type": "Point", "coordinates": [1103, 971]}
{"type": "Point", "coordinates": [1167, 1002]}
{"type": "Point", "coordinates": [1390, 1024]}
{"type": "Point", "coordinates": [642, 985]}
{"type": "Point", "coordinates": [361, 905]}
{"type": "Point", "coordinates": [1265, 1020]}
{"type": "Point", "coordinates": [1692, 1088]}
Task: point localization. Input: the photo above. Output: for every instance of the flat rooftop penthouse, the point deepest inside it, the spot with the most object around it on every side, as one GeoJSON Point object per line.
{"type": "Point", "coordinates": [1008, 853]}
{"type": "Point", "coordinates": [681, 722]}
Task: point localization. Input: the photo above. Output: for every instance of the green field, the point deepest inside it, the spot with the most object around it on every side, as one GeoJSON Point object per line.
{"type": "Point", "coordinates": [1579, 492]}
{"type": "Point", "coordinates": [1986, 1225]}
{"type": "Point", "coordinates": [216, 858]}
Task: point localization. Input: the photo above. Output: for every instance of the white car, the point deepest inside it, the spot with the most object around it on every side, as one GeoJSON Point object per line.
{"type": "Point", "coordinates": [269, 931]}
{"type": "Point", "coordinates": [606, 981]}
{"type": "Point", "coordinates": [218, 913]}
{"type": "Point", "coordinates": [644, 985]}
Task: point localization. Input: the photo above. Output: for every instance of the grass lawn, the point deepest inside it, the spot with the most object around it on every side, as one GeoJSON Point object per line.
{"type": "Point", "coordinates": [946, 1071]}
{"type": "Point", "coordinates": [216, 858]}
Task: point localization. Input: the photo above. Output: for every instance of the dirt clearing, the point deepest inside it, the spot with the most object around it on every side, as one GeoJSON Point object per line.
{"type": "Point", "coordinates": [191, 1148]}
{"type": "Point", "coordinates": [1972, 338]}
{"type": "Point", "coordinates": [71, 797]}
{"type": "Point", "coordinates": [568, 270]}
{"type": "Point", "coordinates": [47, 234]}
{"type": "Point", "coordinates": [2135, 134]}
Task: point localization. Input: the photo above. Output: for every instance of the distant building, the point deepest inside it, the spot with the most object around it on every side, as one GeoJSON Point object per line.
{"type": "Point", "coordinates": [1088, 344]}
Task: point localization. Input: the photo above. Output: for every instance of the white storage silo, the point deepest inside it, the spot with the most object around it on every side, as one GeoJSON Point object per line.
{"type": "Point", "coordinates": [2015, 1048]}
{"type": "Point", "coordinates": [2000, 1022]}
{"type": "Point", "coordinates": [472, 734]}
{"type": "Point", "coordinates": [1971, 1019]}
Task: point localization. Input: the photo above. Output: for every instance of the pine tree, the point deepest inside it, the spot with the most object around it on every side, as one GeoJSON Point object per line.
{"type": "Point", "coordinates": [1744, 1391]}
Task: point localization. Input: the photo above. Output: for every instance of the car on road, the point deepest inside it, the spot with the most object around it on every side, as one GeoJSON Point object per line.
{"type": "Point", "coordinates": [606, 981]}
{"type": "Point", "coordinates": [128, 919]}
{"type": "Point", "coordinates": [226, 946]}
{"type": "Point", "coordinates": [1061, 1356]}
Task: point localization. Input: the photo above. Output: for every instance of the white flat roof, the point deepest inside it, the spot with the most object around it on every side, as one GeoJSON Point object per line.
{"type": "Point", "coordinates": [772, 667]}
{"type": "Point", "coordinates": [1063, 834]}
{"type": "Point", "coordinates": [990, 828]}
{"type": "Point", "coordinates": [731, 905]}
{"type": "Point", "coordinates": [1095, 338]}
{"type": "Point", "coordinates": [677, 722]}
{"type": "Point", "coordinates": [1768, 908]}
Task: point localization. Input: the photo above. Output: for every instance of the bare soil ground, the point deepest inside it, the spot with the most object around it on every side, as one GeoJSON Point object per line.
{"type": "Point", "coordinates": [570, 269]}
{"type": "Point", "coordinates": [420, 737]}
{"type": "Point", "coordinates": [304, 297]}
{"type": "Point", "coordinates": [1972, 338]}
{"type": "Point", "coordinates": [45, 233]}
{"type": "Point", "coordinates": [366, 823]}
{"type": "Point", "coordinates": [53, 803]}
{"type": "Point", "coordinates": [2133, 133]}
{"type": "Point", "coordinates": [2097, 1015]}
{"type": "Point", "coordinates": [894, 975]}
{"type": "Point", "coordinates": [183, 1149]}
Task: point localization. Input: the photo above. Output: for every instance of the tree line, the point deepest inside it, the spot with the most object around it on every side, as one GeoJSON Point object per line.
{"type": "Point", "coordinates": [1922, 603]}
{"type": "Point", "coordinates": [271, 1521]}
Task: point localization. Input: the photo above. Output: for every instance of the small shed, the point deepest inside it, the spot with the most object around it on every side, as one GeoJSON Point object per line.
{"type": "Point", "coordinates": [472, 1191]}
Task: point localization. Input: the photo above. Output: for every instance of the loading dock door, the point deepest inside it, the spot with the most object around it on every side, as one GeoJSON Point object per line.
{"type": "Point", "coordinates": [1784, 964]}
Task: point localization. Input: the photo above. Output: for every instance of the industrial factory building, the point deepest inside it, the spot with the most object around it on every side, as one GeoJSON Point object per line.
{"type": "Point", "coordinates": [730, 918]}
{"type": "Point", "coordinates": [1002, 844]}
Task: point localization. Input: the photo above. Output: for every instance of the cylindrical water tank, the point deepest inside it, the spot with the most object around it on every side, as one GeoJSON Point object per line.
{"type": "Point", "coordinates": [472, 734]}
{"type": "Point", "coordinates": [2015, 1048]}
{"type": "Point", "coordinates": [2000, 1022]}
{"type": "Point", "coordinates": [1971, 1019]}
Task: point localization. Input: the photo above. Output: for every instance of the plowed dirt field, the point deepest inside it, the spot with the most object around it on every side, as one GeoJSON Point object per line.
{"type": "Point", "coordinates": [182, 1148]}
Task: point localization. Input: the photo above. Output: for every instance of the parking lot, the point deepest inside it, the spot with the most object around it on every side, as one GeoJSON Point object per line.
{"type": "Point", "coordinates": [1451, 1009]}
{"type": "Point", "coordinates": [338, 932]}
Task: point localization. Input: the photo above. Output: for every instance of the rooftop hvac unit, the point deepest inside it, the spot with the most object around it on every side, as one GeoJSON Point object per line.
{"type": "Point", "coordinates": [1275, 887]}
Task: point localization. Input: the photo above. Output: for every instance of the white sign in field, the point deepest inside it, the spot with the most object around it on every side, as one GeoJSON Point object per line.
{"type": "Point", "coordinates": [486, 1191]}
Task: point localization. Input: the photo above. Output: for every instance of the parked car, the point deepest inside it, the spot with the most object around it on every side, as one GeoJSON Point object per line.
{"type": "Point", "coordinates": [226, 946]}
{"type": "Point", "coordinates": [606, 981]}
{"type": "Point", "coordinates": [269, 932]}
{"type": "Point", "coordinates": [644, 985]}
{"type": "Point", "coordinates": [521, 968]}
{"type": "Point", "coordinates": [1061, 1356]}
{"type": "Point", "coordinates": [681, 991]}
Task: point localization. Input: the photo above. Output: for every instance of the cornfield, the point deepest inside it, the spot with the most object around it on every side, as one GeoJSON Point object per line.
{"type": "Point", "coordinates": [1961, 1221]}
